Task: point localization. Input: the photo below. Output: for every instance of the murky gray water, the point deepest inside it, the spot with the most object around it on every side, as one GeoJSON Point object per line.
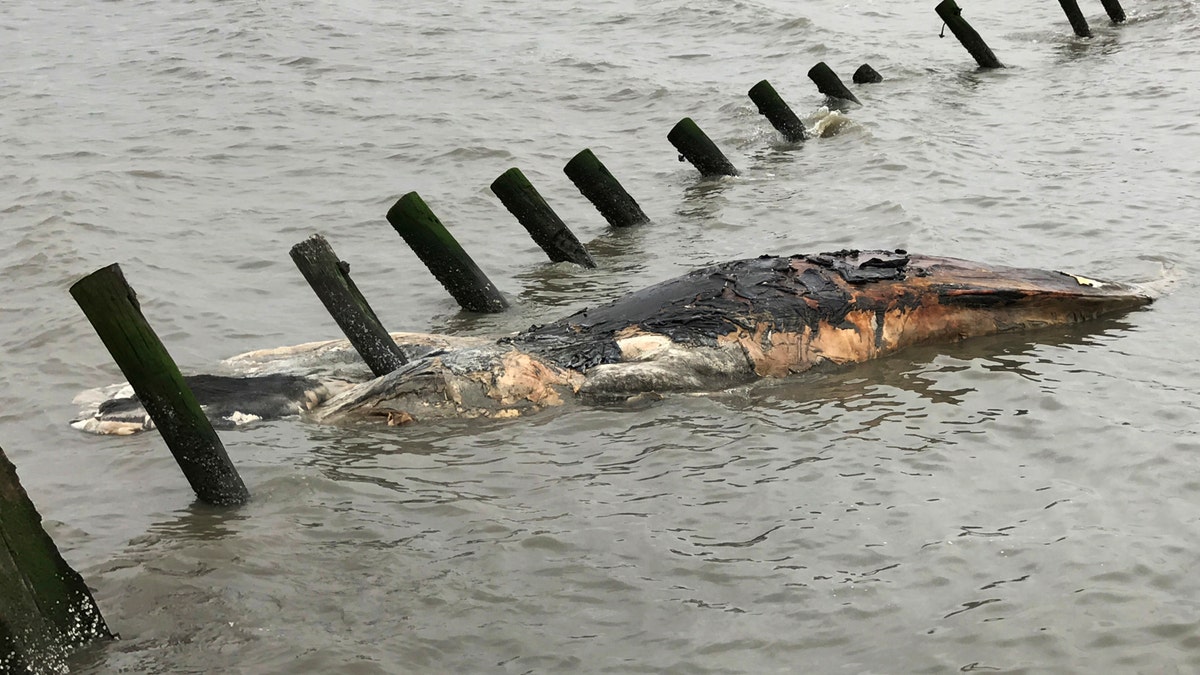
{"type": "Point", "coordinates": [1018, 504]}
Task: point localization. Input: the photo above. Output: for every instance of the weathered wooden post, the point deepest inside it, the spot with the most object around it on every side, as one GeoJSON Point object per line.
{"type": "Point", "coordinates": [772, 106]}
{"type": "Point", "coordinates": [46, 609]}
{"type": "Point", "coordinates": [604, 192]}
{"type": "Point", "coordinates": [330, 280]}
{"type": "Point", "coordinates": [866, 75]}
{"type": "Point", "coordinates": [1078, 23]}
{"type": "Point", "coordinates": [695, 146]}
{"type": "Point", "coordinates": [829, 83]}
{"type": "Point", "coordinates": [12, 656]}
{"type": "Point", "coordinates": [444, 256]}
{"type": "Point", "coordinates": [1113, 7]}
{"type": "Point", "coordinates": [112, 308]}
{"type": "Point", "coordinates": [951, 14]}
{"type": "Point", "coordinates": [535, 215]}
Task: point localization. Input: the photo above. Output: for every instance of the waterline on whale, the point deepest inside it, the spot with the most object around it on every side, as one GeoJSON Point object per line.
{"type": "Point", "coordinates": [707, 330]}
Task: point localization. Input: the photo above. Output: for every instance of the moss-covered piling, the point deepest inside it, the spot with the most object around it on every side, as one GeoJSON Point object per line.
{"type": "Point", "coordinates": [866, 75]}
{"type": "Point", "coordinates": [444, 256]}
{"type": "Point", "coordinates": [1115, 12]}
{"type": "Point", "coordinates": [602, 189]}
{"type": "Point", "coordinates": [830, 84]}
{"type": "Point", "coordinates": [330, 280]}
{"type": "Point", "coordinates": [696, 147]}
{"type": "Point", "coordinates": [535, 215]}
{"type": "Point", "coordinates": [951, 14]}
{"type": "Point", "coordinates": [46, 609]}
{"type": "Point", "coordinates": [1078, 23]}
{"type": "Point", "coordinates": [778, 113]}
{"type": "Point", "coordinates": [113, 310]}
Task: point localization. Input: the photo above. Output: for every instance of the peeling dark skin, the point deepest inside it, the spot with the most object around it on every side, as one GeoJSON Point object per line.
{"type": "Point", "coordinates": [899, 299]}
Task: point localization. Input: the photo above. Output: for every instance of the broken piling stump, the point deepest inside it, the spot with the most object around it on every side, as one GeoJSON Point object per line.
{"type": "Point", "coordinates": [535, 215]}
{"type": "Point", "coordinates": [1113, 7]}
{"type": "Point", "coordinates": [330, 280]}
{"type": "Point", "coordinates": [772, 106]}
{"type": "Point", "coordinates": [866, 75]}
{"type": "Point", "coordinates": [829, 83]}
{"type": "Point", "coordinates": [113, 310]}
{"type": "Point", "coordinates": [695, 146]}
{"type": "Point", "coordinates": [444, 256]}
{"type": "Point", "coordinates": [603, 190]}
{"type": "Point", "coordinates": [46, 609]}
{"type": "Point", "coordinates": [951, 14]}
{"type": "Point", "coordinates": [1078, 23]}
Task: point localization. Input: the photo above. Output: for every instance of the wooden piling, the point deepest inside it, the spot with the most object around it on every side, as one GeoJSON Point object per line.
{"type": "Point", "coordinates": [829, 83]}
{"type": "Point", "coordinates": [951, 14]}
{"type": "Point", "coordinates": [1078, 23]}
{"type": "Point", "coordinates": [46, 609]}
{"type": "Point", "coordinates": [112, 308]}
{"type": "Point", "coordinates": [1113, 7]}
{"type": "Point", "coordinates": [330, 280]}
{"type": "Point", "coordinates": [12, 652]}
{"type": "Point", "coordinates": [695, 146]}
{"type": "Point", "coordinates": [535, 215]}
{"type": "Point", "coordinates": [444, 256]}
{"type": "Point", "coordinates": [595, 182]}
{"type": "Point", "coordinates": [866, 75]}
{"type": "Point", "coordinates": [778, 113]}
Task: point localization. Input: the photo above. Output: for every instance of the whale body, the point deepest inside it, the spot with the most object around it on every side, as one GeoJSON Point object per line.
{"type": "Point", "coordinates": [709, 329]}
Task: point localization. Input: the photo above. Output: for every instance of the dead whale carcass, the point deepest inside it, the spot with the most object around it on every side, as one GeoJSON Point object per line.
{"type": "Point", "coordinates": [710, 328]}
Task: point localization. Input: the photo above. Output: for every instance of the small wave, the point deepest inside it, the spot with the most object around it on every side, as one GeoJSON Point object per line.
{"type": "Point", "coordinates": [74, 154]}
{"type": "Point", "coordinates": [476, 152]}
{"type": "Point", "coordinates": [146, 173]}
{"type": "Point", "coordinates": [186, 72]}
{"type": "Point", "coordinates": [301, 61]}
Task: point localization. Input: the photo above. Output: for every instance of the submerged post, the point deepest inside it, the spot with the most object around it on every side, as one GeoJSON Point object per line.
{"type": "Point", "coordinates": [46, 609]}
{"type": "Point", "coordinates": [1113, 7]}
{"type": "Point", "coordinates": [694, 145]}
{"type": "Point", "coordinates": [829, 83]}
{"type": "Point", "coordinates": [330, 280]}
{"type": "Point", "coordinates": [604, 192]}
{"type": "Point", "coordinates": [112, 308]}
{"type": "Point", "coordinates": [951, 14]}
{"type": "Point", "coordinates": [1078, 23]}
{"type": "Point", "coordinates": [545, 227]}
{"type": "Point", "coordinates": [772, 106]}
{"type": "Point", "coordinates": [866, 75]}
{"type": "Point", "coordinates": [12, 657]}
{"type": "Point", "coordinates": [444, 256]}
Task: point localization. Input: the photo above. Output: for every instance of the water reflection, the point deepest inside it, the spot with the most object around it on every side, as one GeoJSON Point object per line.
{"type": "Point", "coordinates": [197, 522]}
{"type": "Point", "coordinates": [704, 199]}
{"type": "Point", "coordinates": [775, 155]}
{"type": "Point", "coordinates": [1071, 49]}
{"type": "Point", "coordinates": [403, 462]}
{"type": "Point", "coordinates": [917, 369]}
{"type": "Point", "coordinates": [561, 286]}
